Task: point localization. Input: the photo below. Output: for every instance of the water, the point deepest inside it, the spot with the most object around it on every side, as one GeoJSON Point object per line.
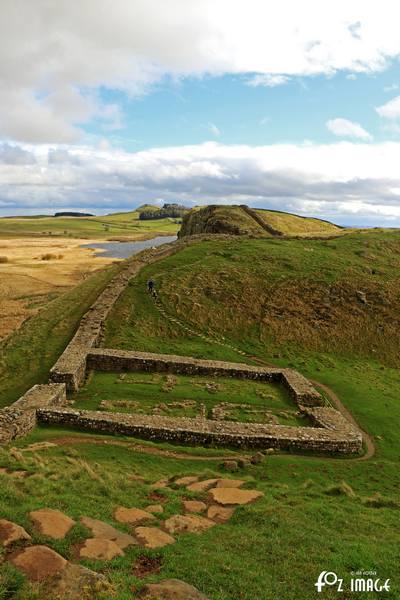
{"type": "Point", "coordinates": [127, 249]}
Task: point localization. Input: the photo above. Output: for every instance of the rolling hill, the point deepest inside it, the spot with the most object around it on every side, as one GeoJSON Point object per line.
{"type": "Point", "coordinates": [123, 225]}
{"type": "Point", "coordinates": [243, 220]}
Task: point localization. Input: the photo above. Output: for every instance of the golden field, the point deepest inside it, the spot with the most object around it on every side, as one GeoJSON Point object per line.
{"type": "Point", "coordinates": [35, 270]}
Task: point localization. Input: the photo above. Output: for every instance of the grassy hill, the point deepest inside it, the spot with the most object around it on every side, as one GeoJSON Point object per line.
{"type": "Point", "coordinates": [296, 225]}
{"type": "Point", "coordinates": [242, 220]}
{"type": "Point", "coordinates": [124, 225]}
{"type": "Point", "coordinates": [328, 308]}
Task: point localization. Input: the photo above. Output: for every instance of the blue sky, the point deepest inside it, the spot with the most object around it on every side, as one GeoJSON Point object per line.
{"type": "Point", "coordinates": [184, 112]}
{"type": "Point", "coordinates": [292, 105]}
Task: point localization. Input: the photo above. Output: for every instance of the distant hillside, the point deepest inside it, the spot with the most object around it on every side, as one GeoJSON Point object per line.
{"type": "Point", "coordinates": [242, 220]}
{"type": "Point", "coordinates": [122, 226]}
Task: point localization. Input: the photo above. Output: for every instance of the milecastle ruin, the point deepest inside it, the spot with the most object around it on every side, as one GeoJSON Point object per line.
{"type": "Point", "coordinates": [50, 403]}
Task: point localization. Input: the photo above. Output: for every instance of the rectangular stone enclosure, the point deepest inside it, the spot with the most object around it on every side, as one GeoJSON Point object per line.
{"type": "Point", "coordinates": [331, 431]}
{"type": "Point", "coordinates": [47, 403]}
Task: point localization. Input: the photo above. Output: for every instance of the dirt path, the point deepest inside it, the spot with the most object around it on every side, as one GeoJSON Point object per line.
{"type": "Point", "coordinates": [367, 439]}
{"type": "Point", "coordinates": [137, 447]}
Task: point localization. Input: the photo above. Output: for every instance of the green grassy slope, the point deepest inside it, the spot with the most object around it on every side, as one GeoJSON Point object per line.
{"type": "Point", "coordinates": [291, 303]}
{"type": "Point", "coordinates": [239, 221]}
{"type": "Point", "coordinates": [120, 225]}
{"type": "Point", "coordinates": [290, 224]}
{"type": "Point", "coordinates": [28, 354]}
{"type": "Point", "coordinates": [295, 303]}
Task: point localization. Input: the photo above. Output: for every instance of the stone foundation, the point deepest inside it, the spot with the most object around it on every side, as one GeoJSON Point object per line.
{"type": "Point", "coordinates": [205, 432]}
{"type": "Point", "coordinates": [332, 432]}
{"type": "Point", "coordinates": [103, 359]}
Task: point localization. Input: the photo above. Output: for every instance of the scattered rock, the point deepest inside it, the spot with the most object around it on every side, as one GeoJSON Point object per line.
{"type": "Point", "coordinates": [186, 480]}
{"type": "Point", "coordinates": [76, 583]}
{"type": "Point", "coordinates": [234, 495]}
{"type": "Point", "coordinates": [154, 508]}
{"type": "Point", "coordinates": [161, 483]}
{"type": "Point", "coordinates": [38, 562]}
{"type": "Point", "coordinates": [99, 549]}
{"type": "Point", "coordinates": [271, 450]}
{"type": "Point", "coordinates": [244, 463]}
{"type": "Point", "coordinates": [220, 514]}
{"type": "Point", "coordinates": [257, 458]}
{"type": "Point", "coordinates": [11, 532]}
{"type": "Point", "coordinates": [201, 486]}
{"type": "Point", "coordinates": [52, 523]}
{"type": "Point", "coordinates": [230, 483]}
{"type": "Point", "coordinates": [171, 589]}
{"type": "Point", "coordinates": [103, 530]}
{"type": "Point", "coordinates": [230, 465]}
{"type": "Point", "coordinates": [187, 523]}
{"type": "Point", "coordinates": [194, 506]}
{"type": "Point", "coordinates": [132, 515]}
{"type": "Point", "coordinates": [152, 537]}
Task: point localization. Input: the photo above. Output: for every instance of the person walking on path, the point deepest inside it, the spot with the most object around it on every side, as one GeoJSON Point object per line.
{"type": "Point", "coordinates": [151, 287]}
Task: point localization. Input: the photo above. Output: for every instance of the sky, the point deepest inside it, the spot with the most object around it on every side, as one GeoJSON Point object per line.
{"type": "Point", "coordinates": [291, 105]}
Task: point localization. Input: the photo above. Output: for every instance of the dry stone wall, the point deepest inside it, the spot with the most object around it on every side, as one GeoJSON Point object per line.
{"type": "Point", "coordinates": [20, 418]}
{"type": "Point", "coordinates": [46, 403]}
{"type": "Point", "coordinates": [71, 366]}
{"type": "Point", "coordinates": [206, 432]}
{"type": "Point", "coordinates": [104, 359]}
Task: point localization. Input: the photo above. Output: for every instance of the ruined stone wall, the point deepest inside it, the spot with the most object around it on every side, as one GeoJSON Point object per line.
{"type": "Point", "coordinates": [104, 359]}
{"type": "Point", "coordinates": [19, 418]}
{"type": "Point", "coordinates": [71, 366]}
{"type": "Point", "coordinates": [206, 432]}
{"type": "Point", "coordinates": [332, 432]}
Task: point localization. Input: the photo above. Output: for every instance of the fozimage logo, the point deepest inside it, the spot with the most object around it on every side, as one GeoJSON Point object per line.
{"type": "Point", "coordinates": [361, 581]}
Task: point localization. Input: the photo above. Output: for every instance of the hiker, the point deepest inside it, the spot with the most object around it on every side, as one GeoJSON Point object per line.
{"type": "Point", "coordinates": [151, 287]}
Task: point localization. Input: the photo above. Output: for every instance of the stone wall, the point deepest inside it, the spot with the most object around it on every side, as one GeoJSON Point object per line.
{"type": "Point", "coordinates": [71, 366]}
{"type": "Point", "coordinates": [207, 432]}
{"type": "Point", "coordinates": [332, 432]}
{"type": "Point", "coordinates": [104, 359]}
{"type": "Point", "coordinates": [20, 418]}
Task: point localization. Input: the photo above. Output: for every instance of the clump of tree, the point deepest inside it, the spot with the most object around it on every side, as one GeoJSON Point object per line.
{"type": "Point", "coordinates": [173, 211]}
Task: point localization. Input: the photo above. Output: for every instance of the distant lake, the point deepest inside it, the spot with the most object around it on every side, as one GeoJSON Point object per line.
{"type": "Point", "coordinates": [127, 249]}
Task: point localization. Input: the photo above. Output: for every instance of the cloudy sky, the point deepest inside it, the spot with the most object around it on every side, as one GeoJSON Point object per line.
{"type": "Point", "coordinates": [294, 105]}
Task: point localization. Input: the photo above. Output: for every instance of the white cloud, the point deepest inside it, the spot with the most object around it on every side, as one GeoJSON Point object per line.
{"type": "Point", "coordinates": [54, 56]}
{"type": "Point", "coordinates": [390, 110]}
{"type": "Point", "coordinates": [346, 128]}
{"type": "Point", "coordinates": [268, 80]}
{"type": "Point", "coordinates": [347, 182]}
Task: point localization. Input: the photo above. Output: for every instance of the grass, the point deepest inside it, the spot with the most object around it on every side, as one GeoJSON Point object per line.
{"type": "Point", "coordinates": [182, 396]}
{"type": "Point", "coordinates": [317, 513]}
{"type": "Point", "coordinates": [119, 225]}
{"type": "Point", "coordinates": [272, 549]}
{"type": "Point", "coordinates": [289, 224]}
{"type": "Point", "coordinates": [340, 296]}
{"type": "Point", "coordinates": [28, 354]}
